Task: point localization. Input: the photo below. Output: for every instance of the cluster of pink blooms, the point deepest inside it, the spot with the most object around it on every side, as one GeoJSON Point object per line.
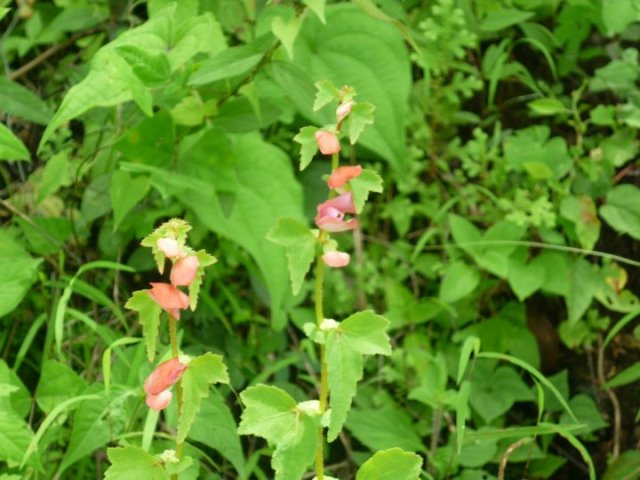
{"type": "Point", "coordinates": [172, 300]}
{"type": "Point", "coordinates": [332, 215]}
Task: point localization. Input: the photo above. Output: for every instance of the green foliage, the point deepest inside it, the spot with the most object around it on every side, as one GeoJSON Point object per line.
{"type": "Point", "coordinates": [391, 464]}
{"type": "Point", "coordinates": [132, 462]}
{"type": "Point", "coordinates": [299, 243]}
{"type": "Point", "coordinates": [149, 318]}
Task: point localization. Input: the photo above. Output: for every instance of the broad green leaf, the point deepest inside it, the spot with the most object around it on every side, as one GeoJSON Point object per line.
{"type": "Point", "coordinates": [11, 148]}
{"type": "Point", "coordinates": [326, 93]}
{"type": "Point", "coordinates": [286, 31]}
{"type": "Point", "coordinates": [493, 393]}
{"type": "Point", "coordinates": [366, 333]}
{"type": "Point", "coordinates": [346, 53]}
{"type": "Point", "coordinates": [392, 464]}
{"type": "Point", "coordinates": [148, 316]}
{"type": "Point", "coordinates": [200, 374]}
{"type": "Point", "coordinates": [126, 193]}
{"type": "Point", "coordinates": [15, 437]}
{"type": "Point", "coordinates": [617, 15]}
{"type": "Point", "coordinates": [383, 428]}
{"type": "Point", "coordinates": [525, 279]}
{"type": "Point", "coordinates": [229, 63]}
{"type": "Point", "coordinates": [58, 382]}
{"type": "Point", "coordinates": [368, 181]}
{"type": "Point", "coordinates": [502, 18]}
{"type": "Point", "coordinates": [459, 281]}
{"type": "Point", "coordinates": [317, 7]}
{"type": "Point", "coordinates": [133, 463]}
{"type": "Point", "coordinates": [273, 414]}
{"type": "Point", "coordinates": [620, 211]}
{"type": "Point", "coordinates": [543, 158]}
{"type": "Point", "coordinates": [151, 142]}
{"type": "Point", "coordinates": [19, 101]}
{"type": "Point", "coordinates": [465, 234]}
{"type": "Point", "coordinates": [624, 467]}
{"type": "Point", "coordinates": [259, 180]}
{"type": "Point", "coordinates": [95, 424]}
{"type": "Point", "coordinates": [300, 247]}
{"type": "Point", "coordinates": [215, 427]}
{"type": "Point", "coordinates": [16, 398]}
{"type": "Point", "coordinates": [56, 174]}
{"type": "Point", "coordinates": [308, 146]}
{"type": "Point", "coordinates": [583, 282]}
{"type": "Point", "coordinates": [152, 69]}
{"type": "Point", "coordinates": [361, 115]}
{"type": "Point", "coordinates": [582, 212]}
{"type": "Point", "coordinates": [18, 274]}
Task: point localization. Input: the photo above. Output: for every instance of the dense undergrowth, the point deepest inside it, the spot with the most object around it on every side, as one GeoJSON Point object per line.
{"type": "Point", "coordinates": [502, 253]}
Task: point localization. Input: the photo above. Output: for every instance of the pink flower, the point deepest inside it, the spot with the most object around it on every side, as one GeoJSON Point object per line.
{"type": "Point", "coordinates": [184, 271]}
{"type": "Point", "coordinates": [342, 175]}
{"type": "Point", "coordinates": [343, 110]}
{"type": "Point", "coordinates": [169, 246]}
{"type": "Point", "coordinates": [328, 142]}
{"type": "Point", "coordinates": [330, 217]}
{"type": "Point", "coordinates": [336, 259]}
{"type": "Point", "coordinates": [163, 377]}
{"type": "Point", "coordinates": [160, 401]}
{"type": "Point", "coordinates": [169, 298]}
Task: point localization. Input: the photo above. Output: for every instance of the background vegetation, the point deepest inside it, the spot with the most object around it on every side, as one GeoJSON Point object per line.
{"type": "Point", "coordinates": [503, 250]}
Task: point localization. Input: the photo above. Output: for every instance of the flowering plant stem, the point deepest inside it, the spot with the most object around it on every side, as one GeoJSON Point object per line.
{"type": "Point", "coordinates": [175, 352]}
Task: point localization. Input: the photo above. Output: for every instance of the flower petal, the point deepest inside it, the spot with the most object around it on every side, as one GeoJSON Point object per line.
{"type": "Point", "coordinates": [184, 271]}
{"type": "Point", "coordinates": [164, 376]}
{"type": "Point", "coordinates": [160, 401]}
{"type": "Point", "coordinates": [342, 175]}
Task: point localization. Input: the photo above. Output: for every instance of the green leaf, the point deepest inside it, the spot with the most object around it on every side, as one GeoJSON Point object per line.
{"type": "Point", "coordinates": [16, 397]}
{"type": "Point", "coordinates": [326, 93]}
{"type": "Point", "coordinates": [392, 464]}
{"type": "Point", "coordinates": [19, 101]}
{"type": "Point", "coordinates": [58, 382]}
{"type": "Point", "coordinates": [18, 273]}
{"type": "Point", "coordinates": [368, 181]}
{"type": "Point", "coordinates": [525, 279]}
{"type": "Point", "coordinates": [286, 31]}
{"type": "Point", "coordinates": [15, 437]}
{"type": "Point", "coordinates": [503, 18]}
{"type": "Point", "coordinates": [126, 193]}
{"type": "Point", "coordinates": [201, 372]}
{"type": "Point", "coordinates": [531, 150]}
{"type": "Point", "coordinates": [361, 115]}
{"type": "Point", "coordinates": [620, 211]}
{"type": "Point", "coordinates": [493, 393]}
{"type": "Point", "coordinates": [547, 106]}
{"type": "Point", "coordinates": [617, 15]}
{"type": "Point", "coordinates": [300, 247]}
{"type": "Point", "coordinates": [582, 212]}
{"type": "Point", "coordinates": [308, 145]}
{"type": "Point", "coordinates": [11, 148]}
{"type": "Point", "coordinates": [583, 281]}
{"type": "Point", "coordinates": [148, 316]}
{"type": "Point", "coordinates": [229, 63]}
{"type": "Point", "coordinates": [204, 260]}
{"type": "Point", "coordinates": [152, 69]}
{"type": "Point", "coordinates": [56, 174]}
{"type": "Point", "coordinates": [628, 375]}
{"type": "Point", "coordinates": [95, 423]}
{"type": "Point", "coordinates": [462, 413]}
{"type": "Point", "coordinates": [133, 463]}
{"type": "Point", "coordinates": [365, 333]}
{"type": "Point", "coordinates": [273, 414]}
{"type": "Point", "coordinates": [624, 467]}
{"type": "Point", "coordinates": [471, 345]}
{"type": "Point", "coordinates": [459, 281]}
{"type": "Point", "coordinates": [317, 7]}
{"type": "Point", "coordinates": [175, 228]}
{"type": "Point", "coordinates": [215, 427]}
{"type": "Point", "coordinates": [346, 53]}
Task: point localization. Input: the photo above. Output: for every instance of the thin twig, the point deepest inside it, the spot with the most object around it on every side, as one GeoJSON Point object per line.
{"type": "Point", "coordinates": [615, 404]}
{"type": "Point", "coordinates": [507, 454]}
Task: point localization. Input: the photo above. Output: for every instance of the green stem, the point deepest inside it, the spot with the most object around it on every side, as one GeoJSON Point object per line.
{"type": "Point", "coordinates": [173, 338]}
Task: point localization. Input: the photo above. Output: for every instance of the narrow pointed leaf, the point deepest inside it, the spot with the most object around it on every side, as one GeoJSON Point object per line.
{"type": "Point", "coordinates": [149, 317]}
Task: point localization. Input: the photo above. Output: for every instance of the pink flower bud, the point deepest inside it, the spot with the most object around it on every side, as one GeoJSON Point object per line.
{"type": "Point", "coordinates": [328, 142]}
{"type": "Point", "coordinates": [169, 298]}
{"type": "Point", "coordinates": [336, 259]}
{"type": "Point", "coordinates": [343, 110]}
{"type": "Point", "coordinates": [160, 401]}
{"type": "Point", "coordinates": [184, 271]}
{"type": "Point", "coordinates": [342, 175]}
{"type": "Point", "coordinates": [169, 247]}
{"type": "Point", "coordinates": [164, 376]}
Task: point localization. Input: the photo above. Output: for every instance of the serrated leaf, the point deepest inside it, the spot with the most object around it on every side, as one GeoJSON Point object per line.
{"type": "Point", "coordinates": [271, 413]}
{"type": "Point", "coordinates": [126, 193]}
{"type": "Point", "coordinates": [368, 181]}
{"type": "Point", "coordinates": [11, 148]}
{"type": "Point", "coordinates": [361, 333]}
{"type": "Point", "coordinates": [326, 93]}
{"type": "Point", "coordinates": [148, 316]}
{"type": "Point", "coordinates": [392, 464]}
{"type": "Point", "coordinates": [133, 463]}
{"type": "Point", "coordinates": [175, 228]}
{"type": "Point", "coordinates": [204, 260]}
{"type": "Point", "coordinates": [317, 7]}
{"type": "Point", "coordinates": [361, 115]}
{"type": "Point", "coordinates": [201, 372]}
{"type": "Point", "coordinates": [286, 31]}
{"type": "Point", "coordinates": [308, 146]}
{"type": "Point", "coordinates": [300, 248]}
